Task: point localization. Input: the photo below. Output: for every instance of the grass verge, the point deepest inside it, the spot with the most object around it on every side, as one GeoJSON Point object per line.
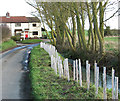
{"type": "Point", "coordinates": [28, 41]}
{"type": "Point", "coordinates": [7, 44]}
{"type": "Point", "coordinates": [47, 85]}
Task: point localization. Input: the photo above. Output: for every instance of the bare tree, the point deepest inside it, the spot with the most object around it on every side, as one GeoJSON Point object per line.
{"type": "Point", "coordinates": [6, 32]}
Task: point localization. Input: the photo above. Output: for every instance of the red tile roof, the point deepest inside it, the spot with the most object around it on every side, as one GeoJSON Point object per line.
{"type": "Point", "coordinates": [18, 19]}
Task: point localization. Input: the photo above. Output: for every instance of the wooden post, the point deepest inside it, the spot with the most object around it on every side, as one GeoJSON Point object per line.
{"type": "Point", "coordinates": [97, 79]}
{"type": "Point", "coordinates": [88, 77]}
{"type": "Point", "coordinates": [80, 73]}
{"type": "Point", "coordinates": [61, 68]}
{"type": "Point", "coordinates": [68, 76]}
{"type": "Point", "coordinates": [41, 44]}
{"type": "Point", "coordinates": [95, 66]}
{"type": "Point", "coordinates": [64, 63]}
{"type": "Point", "coordinates": [113, 96]}
{"type": "Point", "coordinates": [116, 87]}
{"type": "Point", "coordinates": [66, 69]}
{"type": "Point", "coordinates": [58, 64]}
{"type": "Point", "coordinates": [74, 70]}
{"type": "Point", "coordinates": [52, 61]}
{"type": "Point", "coordinates": [55, 65]}
{"type": "Point", "coordinates": [104, 83]}
{"type": "Point", "coordinates": [50, 50]}
{"type": "Point", "coordinates": [86, 68]}
{"type": "Point", "coordinates": [24, 35]}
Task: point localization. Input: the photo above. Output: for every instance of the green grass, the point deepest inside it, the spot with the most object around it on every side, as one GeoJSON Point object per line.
{"type": "Point", "coordinates": [27, 41]}
{"type": "Point", "coordinates": [111, 44]}
{"type": "Point", "coordinates": [47, 85]}
{"type": "Point", "coordinates": [111, 39]}
{"type": "Point", "coordinates": [49, 33]}
{"type": "Point", "coordinates": [7, 44]}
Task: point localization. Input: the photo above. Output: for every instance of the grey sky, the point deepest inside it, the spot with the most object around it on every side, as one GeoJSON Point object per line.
{"type": "Point", "coordinates": [21, 8]}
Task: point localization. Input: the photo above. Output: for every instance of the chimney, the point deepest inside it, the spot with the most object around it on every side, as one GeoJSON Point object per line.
{"type": "Point", "coordinates": [7, 15]}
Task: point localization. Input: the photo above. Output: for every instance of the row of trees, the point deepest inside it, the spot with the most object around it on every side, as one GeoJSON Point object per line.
{"type": "Point", "coordinates": [57, 14]}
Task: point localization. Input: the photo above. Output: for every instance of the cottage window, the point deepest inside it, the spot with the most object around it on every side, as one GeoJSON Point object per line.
{"type": "Point", "coordinates": [4, 24]}
{"type": "Point", "coordinates": [34, 25]}
{"type": "Point", "coordinates": [35, 33]}
{"type": "Point", "coordinates": [17, 24]}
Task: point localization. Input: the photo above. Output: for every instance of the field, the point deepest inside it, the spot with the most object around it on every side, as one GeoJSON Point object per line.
{"type": "Point", "coordinates": [7, 44]}
{"type": "Point", "coordinates": [47, 85]}
{"type": "Point", "coordinates": [112, 44]}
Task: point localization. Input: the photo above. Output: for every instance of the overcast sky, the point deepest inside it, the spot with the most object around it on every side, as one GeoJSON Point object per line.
{"type": "Point", "coordinates": [21, 8]}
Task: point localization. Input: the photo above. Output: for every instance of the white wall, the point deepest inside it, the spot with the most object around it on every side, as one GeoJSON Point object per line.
{"type": "Point", "coordinates": [37, 28]}
{"type": "Point", "coordinates": [26, 26]}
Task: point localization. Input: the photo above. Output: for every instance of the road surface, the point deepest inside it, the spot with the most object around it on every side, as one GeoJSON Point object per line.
{"type": "Point", "coordinates": [15, 82]}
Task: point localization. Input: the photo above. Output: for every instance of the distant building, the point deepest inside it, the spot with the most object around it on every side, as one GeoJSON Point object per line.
{"type": "Point", "coordinates": [23, 26]}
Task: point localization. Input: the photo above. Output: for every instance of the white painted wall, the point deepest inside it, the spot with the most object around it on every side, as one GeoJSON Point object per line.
{"type": "Point", "coordinates": [26, 26]}
{"type": "Point", "coordinates": [37, 28]}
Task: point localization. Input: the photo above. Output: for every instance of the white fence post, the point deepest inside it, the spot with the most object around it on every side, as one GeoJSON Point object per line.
{"type": "Point", "coordinates": [61, 68]}
{"type": "Point", "coordinates": [116, 87]}
{"type": "Point", "coordinates": [73, 70]}
{"type": "Point", "coordinates": [64, 63]}
{"type": "Point", "coordinates": [76, 70]}
{"type": "Point", "coordinates": [51, 61]}
{"type": "Point", "coordinates": [104, 83]}
{"type": "Point", "coordinates": [55, 65]}
{"type": "Point", "coordinates": [97, 79]}
{"type": "Point", "coordinates": [86, 68]}
{"type": "Point", "coordinates": [80, 73]}
{"type": "Point", "coordinates": [66, 69]}
{"type": "Point", "coordinates": [88, 77]}
{"type": "Point", "coordinates": [113, 95]}
{"type": "Point", "coordinates": [95, 66]}
{"type": "Point", "coordinates": [68, 75]}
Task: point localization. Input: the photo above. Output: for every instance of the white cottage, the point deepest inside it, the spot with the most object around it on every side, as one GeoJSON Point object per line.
{"type": "Point", "coordinates": [23, 26]}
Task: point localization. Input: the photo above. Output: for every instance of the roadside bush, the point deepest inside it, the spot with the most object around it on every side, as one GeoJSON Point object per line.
{"type": "Point", "coordinates": [16, 38]}
{"type": "Point", "coordinates": [107, 31]}
{"type": "Point", "coordinates": [6, 32]}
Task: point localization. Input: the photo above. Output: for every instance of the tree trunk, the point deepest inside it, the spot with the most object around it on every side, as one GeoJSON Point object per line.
{"type": "Point", "coordinates": [96, 27]}
{"type": "Point", "coordinates": [70, 42]}
{"type": "Point", "coordinates": [80, 32]}
{"type": "Point", "coordinates": [91, 27]}
{"type": "Point", "coordinates": [74, 31]}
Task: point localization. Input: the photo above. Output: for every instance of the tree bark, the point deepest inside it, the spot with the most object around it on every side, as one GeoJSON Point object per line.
{"type": "Point", "coordinates": [96, 27]}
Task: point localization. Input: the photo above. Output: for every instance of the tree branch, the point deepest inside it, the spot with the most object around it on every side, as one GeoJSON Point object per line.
{"type": "Point", "coordinates": [112, 15]}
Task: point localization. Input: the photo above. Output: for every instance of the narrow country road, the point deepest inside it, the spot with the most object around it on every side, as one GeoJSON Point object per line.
{"type": "Point", "coordinates": [15, 82]}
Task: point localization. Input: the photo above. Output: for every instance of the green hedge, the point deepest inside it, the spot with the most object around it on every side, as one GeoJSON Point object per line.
{"type": "Point", "coordinates": [16, 38]}
{"type": "Point", "coordinates": [27, 41]}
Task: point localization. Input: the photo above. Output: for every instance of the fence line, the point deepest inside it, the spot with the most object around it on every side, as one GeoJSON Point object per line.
{"type": "Point", "coordinates": [62, 68]}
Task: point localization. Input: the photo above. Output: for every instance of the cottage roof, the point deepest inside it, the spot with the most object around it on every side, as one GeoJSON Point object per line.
{"type": "Point", "coordinates": [18, 19]}
{"type": "Point", "coordinates": [33, 19]}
